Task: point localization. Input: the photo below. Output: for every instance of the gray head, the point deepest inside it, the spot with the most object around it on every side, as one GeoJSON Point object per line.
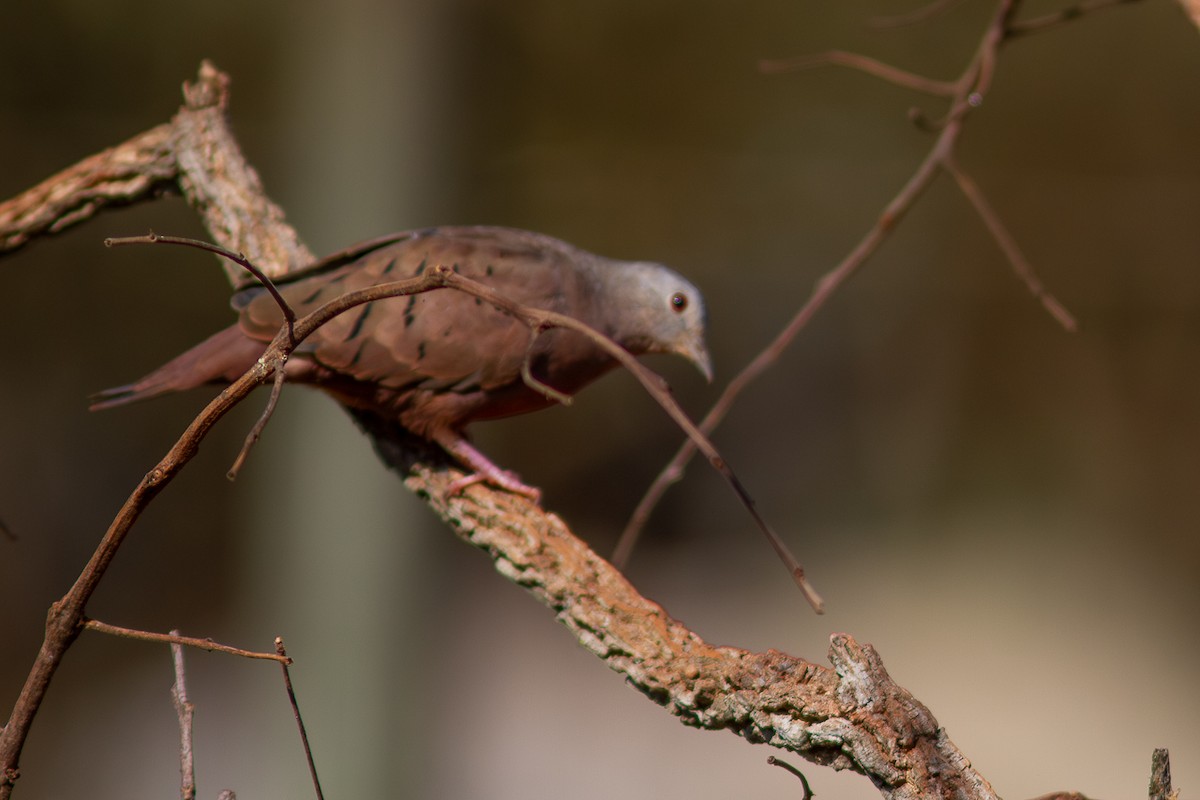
{"type": "Point", "coordinates": [657, 310]}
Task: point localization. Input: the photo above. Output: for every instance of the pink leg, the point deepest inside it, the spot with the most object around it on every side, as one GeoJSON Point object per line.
{"type": "Point", "coordinates": [482, 470]}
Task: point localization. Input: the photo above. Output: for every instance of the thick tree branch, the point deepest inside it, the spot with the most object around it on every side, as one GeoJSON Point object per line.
{"type": "Point", "coordinates": [128, 173]}
{"type": "Point", "coordinates": [224, 189]}
{"type": "Point", "coordinates": [195, 154]}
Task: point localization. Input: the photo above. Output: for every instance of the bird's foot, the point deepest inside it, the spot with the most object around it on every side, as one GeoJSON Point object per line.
{"type": "Point", "coordinates": [500, 478]}
{"type": "Point", "coordinates": [482, 470]}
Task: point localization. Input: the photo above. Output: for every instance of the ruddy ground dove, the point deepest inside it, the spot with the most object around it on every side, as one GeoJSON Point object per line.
{"type": "Point", "coordinates": [438, 361]}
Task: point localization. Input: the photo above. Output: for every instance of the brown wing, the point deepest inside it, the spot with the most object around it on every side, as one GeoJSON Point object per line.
{"type": "Point", "coordinates": [441, 339]}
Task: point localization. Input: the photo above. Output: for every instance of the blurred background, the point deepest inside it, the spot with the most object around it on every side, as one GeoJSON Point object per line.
{"type": "Point", "coordinates": [1006, 511]}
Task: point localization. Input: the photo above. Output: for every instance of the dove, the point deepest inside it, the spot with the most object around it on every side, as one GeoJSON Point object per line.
{"type": "Point", "coordinates": [438, 361]}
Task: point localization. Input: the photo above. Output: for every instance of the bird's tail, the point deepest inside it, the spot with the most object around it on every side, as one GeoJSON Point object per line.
{"type": "Point", "coordinates": [222, 357]}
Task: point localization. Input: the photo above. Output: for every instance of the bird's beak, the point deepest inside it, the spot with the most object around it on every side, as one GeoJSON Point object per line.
{"type": "Point", "coordinates": [695, 352]}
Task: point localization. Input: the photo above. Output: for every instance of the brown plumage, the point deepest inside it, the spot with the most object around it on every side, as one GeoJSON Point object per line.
{"type": "Point", "coordinates": [437, 361]}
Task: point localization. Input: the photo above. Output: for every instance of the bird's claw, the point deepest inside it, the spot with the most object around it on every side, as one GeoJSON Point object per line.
{"type": "Point", "coordinates": [501, 479]}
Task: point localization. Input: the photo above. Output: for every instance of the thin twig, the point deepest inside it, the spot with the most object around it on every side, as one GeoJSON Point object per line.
{"type": "Point", "coordinates": [871, 66]}
{"type": "Point", "coordinates": [173, 638]}
{"type": "Point", "coordinates": [1060, 17]}
{"type": "Point", "coordinates": [914, 17]}
{"type": "Point", "coordinates": [289, 319]}
{"type": "Point", "coordinates": [287, 683]}
{"type": "Point", "coordinates": [256, 431]}
{"type": "Point", "coordinates": [530, 380]}
{"type": "Point", "coordinates": [777, 762]}
{"type": "Point", "coordinates": [238, 258]}
{"type": "Point", "coordinates": [1008, 244]}
{"type": "Point", "coordinates": [184, 710]}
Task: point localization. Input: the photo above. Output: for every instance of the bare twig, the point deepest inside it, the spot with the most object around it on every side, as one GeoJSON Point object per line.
{"type": "Point", "coordinates": [1060, 17]}
{"type": "Point", "coordinates": [841, 58]}
{"type": "Point", "coordinates": [1008, 245]}
{"type": "Point", "coordinates": [240, 259]}
{"type": "Point", "coordinates": [914, 17]}
{"type": "Point", "coordinates": [184, 709]}
{"type": "Point", "coordinates": [173, 638]}
{"type": "Point", "coordinates": [530, 380]}
{"type": "Point", "coordinates": [261, 423]}
{"type": "Point", "coordinates": [287, 683]}
{"type": "Point", "coordinates": [1192, 9]}
{"type": "Point", "coordinates": [289, 318]}
{"type": "Point", "coordinates": [778, 762]}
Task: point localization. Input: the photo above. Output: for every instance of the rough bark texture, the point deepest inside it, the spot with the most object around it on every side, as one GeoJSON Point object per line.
{"type": "Point", "coordinates": [224, 189]}
{"type": "Point", "coordinates": [195, 154]}
{"type": "Point", "coordinates": [127, 173]}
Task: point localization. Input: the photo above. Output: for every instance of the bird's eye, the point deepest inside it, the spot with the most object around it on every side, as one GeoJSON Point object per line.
{"type": "Point", "coordinates": [679, 301]}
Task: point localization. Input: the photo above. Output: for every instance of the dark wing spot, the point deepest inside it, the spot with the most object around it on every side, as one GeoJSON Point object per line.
{"type": "Point", "coordinates": [358, 323]}
{"type": "Point", "coordinates": [408, 310]}
{"type": "Point", "coordinates": [421, 266]}
{"type": "Point", "coordinates": [358, 351]}
{"type": "Point", "coordinates": [490, 270]}
{"type": "Point", "coordinates": [313, 295]}
{"type": "Point", "coordinates": [420, 351]}
{"type": "Point", "coordinates": [390, 265]}
{"type": "Point", "coordinates": [319, 288]}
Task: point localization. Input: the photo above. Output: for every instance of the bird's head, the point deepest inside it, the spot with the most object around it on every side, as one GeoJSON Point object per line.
{"type": "Point", "coordinates": [660, 311]}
